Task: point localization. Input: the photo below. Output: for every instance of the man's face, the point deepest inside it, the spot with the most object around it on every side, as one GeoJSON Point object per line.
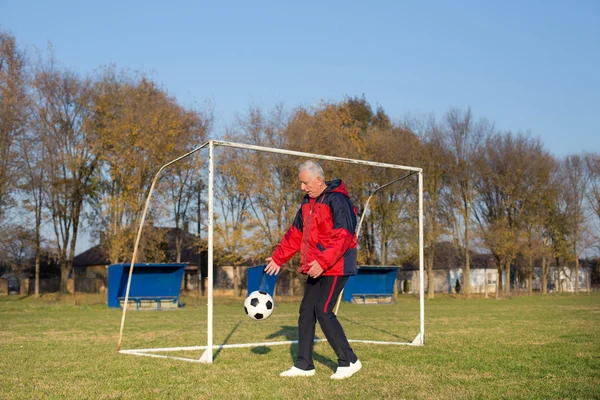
{"type": "Point", "coordinates": [311, 185]}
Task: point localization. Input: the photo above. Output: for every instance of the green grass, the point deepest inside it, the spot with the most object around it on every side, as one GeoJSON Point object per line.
{"type": "Point", "coordinates": [534, 348]}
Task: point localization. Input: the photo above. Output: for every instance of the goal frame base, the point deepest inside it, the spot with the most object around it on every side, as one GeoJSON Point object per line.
{"type": "Point", "coordinates": [207, 357]}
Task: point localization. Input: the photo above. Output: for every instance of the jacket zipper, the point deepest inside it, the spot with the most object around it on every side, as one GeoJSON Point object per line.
{"type": "Point", "coordinates": [308, 232]}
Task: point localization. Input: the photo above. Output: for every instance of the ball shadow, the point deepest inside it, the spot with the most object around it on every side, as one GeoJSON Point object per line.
{"type": "Point", "coordinates": [261, 350]}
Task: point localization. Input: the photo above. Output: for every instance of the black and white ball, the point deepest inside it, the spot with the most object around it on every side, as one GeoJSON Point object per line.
{"type": "Point", "coordinates": [259, 305]}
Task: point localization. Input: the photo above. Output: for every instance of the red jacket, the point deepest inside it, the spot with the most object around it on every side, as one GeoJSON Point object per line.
{"type": "Point", "coordinates": [323, 230]}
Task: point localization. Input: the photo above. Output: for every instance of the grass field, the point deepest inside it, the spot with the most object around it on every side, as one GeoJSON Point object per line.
{"type": "Point", "coordinates": [535, 348]}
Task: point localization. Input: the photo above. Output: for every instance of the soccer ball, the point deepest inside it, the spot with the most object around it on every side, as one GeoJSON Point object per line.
{"type": "Point", "coordinates": [259, 305]}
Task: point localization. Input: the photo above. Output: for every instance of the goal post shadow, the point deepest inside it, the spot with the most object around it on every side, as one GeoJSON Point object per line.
{"type": "Point", "coordinates": [208, 356]}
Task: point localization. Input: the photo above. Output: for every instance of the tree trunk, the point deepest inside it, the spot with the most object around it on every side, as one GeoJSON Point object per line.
{"type": "Point", "coordinates": [37, 273]}
{"type": "Point", "coordinates": [64, 277]}
{"type": "Point", "coordinates": [507, 283]}
{"type": "Point", "coordinates": [38, 240]}
{"type": "Point", "coordinates": [485, 284]}
{"type": "Point", "coordinates": [544, 276]}
{"type": "Point", "coordinates": [430, 285]}
{"type": "Point", "coordinates": [178, 244]}
{"type": "Point", "coordinates": [498, 275]}
{"type": "Point", "coordinates": [576, 275]}
{"type": "Point", "coordinates": [530, 282]}
{"type": "Point", "coordinates": [467, 277]}
{"type": "Point", "coordinates": [236, 281]}
{"type": "Point", "coordinates": [557, 275]}
{"type": "Point", "coordinates": [382, 249]}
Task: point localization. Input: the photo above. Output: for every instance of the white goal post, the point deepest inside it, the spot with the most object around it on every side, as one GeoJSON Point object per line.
{"type": "Point", "coordinates": [207, 356]}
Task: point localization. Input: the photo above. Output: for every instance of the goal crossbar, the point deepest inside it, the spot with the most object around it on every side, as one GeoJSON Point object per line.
{"type": "Point", "coordinates": [207, 356]}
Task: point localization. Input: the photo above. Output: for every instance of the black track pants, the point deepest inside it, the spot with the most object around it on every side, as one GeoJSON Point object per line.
{"type": "Point", "coordinates": [320, 296]}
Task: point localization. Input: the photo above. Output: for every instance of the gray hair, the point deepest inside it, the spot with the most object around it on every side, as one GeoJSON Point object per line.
{"type": "Point", "coordinates": [313, 167]}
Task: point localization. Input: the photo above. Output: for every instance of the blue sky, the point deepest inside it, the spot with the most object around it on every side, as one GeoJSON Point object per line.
{"type": "Point", "coordinates": [525, 65]}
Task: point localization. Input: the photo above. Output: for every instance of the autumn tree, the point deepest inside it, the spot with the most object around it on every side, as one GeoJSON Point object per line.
{"type": "Point", "coordinates": [351, 129]}
{"type": "Point", "coordinates": [339, 129]}
{"type": "Point", "coordinates": [540, 203]}
{"type": "Point", "coordinates": [505, 190]}
{"type": "Point", "coordinates": [556, 232]}
{"type": "Point", "coordinates": [137, 127]}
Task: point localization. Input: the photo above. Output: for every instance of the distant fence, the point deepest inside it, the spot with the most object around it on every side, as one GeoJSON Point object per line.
{"type": "Point", "coordinates": [52, 285]}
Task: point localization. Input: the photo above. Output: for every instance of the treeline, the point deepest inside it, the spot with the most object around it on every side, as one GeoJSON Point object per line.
{"type": "Point", "coordinates": [82, 151]}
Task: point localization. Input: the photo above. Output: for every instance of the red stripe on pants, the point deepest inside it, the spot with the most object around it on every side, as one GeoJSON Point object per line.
{"type": "Point", "coordinates": [330, 294]}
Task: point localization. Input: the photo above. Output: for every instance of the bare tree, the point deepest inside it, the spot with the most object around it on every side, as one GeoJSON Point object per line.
{"type": "Point", "coordinates": [233, 189]}
{"type": "Point", "coordinates": [464, 138]}
{"type": "Point", "coordinates": [273, 200]}
{"type": "Point", "coordinates": [34, 188]}
{"type": "Point", "coordinates": [182, 178]}
{"type": "Point", "coordinates": [593, 166]}
{"type": "Point", "coordinates": [62, 105]}
{"type": "Point", "coordinates": [434, 161]}
{"type": "Point", "coordinates": [14, 109]}
{"type": "Point", "coordinates": [577, 178]}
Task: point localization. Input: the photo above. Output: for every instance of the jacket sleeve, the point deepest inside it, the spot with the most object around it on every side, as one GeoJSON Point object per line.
{"type": "Point", "coordinates": [342, 234]}
{"type": "Point", "coordinates": [290, 244]}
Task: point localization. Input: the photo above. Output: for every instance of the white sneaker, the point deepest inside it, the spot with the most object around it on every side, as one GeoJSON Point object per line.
{"type": "Point", "coordinates": [347, 372]}
{"type": "Point", "coordinates": [297, 372]}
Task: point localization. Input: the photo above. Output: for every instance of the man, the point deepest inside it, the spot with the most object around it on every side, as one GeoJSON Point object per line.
{"type": "Point", "coordinates": [323, 232]}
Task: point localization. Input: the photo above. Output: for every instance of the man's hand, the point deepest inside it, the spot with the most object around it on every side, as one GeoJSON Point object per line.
{"type": "Point", "coordinates": [315, 269]}
{"type": "Point", "coordinates": [272, 267]}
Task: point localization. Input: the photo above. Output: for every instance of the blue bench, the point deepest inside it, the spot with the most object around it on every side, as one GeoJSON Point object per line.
{"type": "Point", "coordinates": [153, 286]}
{"type": "Point", "coordinates": [375, 283]}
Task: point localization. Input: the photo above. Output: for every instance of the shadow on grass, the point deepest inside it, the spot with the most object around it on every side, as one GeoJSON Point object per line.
{"type": "Point", "coordinates": [261, 350]}
{"type": "Point", "coordinates": [374, 328]}
{"type": "Point", "coordinates": [216, 354]}
{"type": "Point", "coordinates": [291, 333]}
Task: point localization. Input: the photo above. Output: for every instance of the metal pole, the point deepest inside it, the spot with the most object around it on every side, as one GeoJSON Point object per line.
{"type": "Point", "coordinates": [207, 357]}
{"type": "Point", "coordinates": [134, 257]}
{"type": "Point", "coordinates": [315, 156]}
{"type": "Point", "coordinates": [421, 259]}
